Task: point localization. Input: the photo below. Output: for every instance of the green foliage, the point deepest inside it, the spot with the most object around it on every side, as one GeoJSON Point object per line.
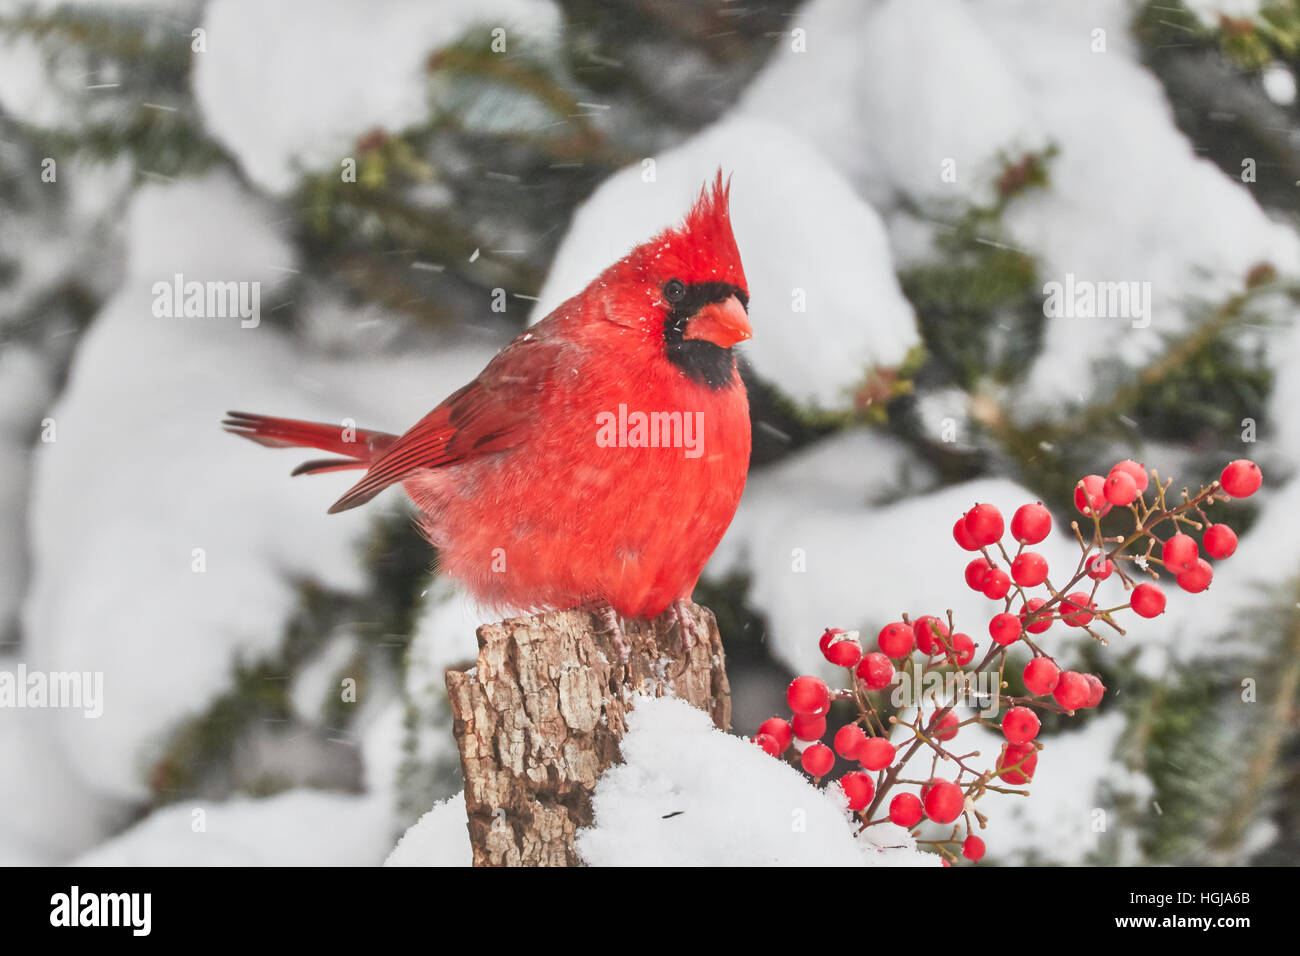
{"type": "Point", "coordinates": [978, 306]}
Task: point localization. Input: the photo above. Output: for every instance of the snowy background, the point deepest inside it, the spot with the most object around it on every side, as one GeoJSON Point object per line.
{"type": "Point", "coordinates": [907, 176]}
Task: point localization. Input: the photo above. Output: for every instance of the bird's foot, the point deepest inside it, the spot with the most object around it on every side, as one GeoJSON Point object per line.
{"type": "Point", "coordinates": [614, 628]}
{"type": "Point", "coordinates": [680, 616]}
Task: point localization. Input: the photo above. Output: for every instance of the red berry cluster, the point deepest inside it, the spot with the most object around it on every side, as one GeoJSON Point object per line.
{"type": "Point", "coordinates": [1007, 572]}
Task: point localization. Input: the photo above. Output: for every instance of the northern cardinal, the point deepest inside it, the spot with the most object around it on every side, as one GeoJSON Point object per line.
{"type": "Point", "coordinates": [598, 459]}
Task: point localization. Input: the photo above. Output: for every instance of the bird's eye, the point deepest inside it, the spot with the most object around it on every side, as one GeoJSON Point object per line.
{"type": "Point", "coordinates": [674, 290]}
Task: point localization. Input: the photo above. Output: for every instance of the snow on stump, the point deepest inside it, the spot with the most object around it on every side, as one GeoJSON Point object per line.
{"type": "Point", "coordinates": [541, 715]}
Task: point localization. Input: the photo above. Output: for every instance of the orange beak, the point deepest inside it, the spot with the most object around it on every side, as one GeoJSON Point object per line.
{"type": "Point", "coordinates": [722, 323]}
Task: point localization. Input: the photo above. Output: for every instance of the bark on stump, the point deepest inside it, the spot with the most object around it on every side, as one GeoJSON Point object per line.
{"type": "Point", "coordinates": [541, 714]}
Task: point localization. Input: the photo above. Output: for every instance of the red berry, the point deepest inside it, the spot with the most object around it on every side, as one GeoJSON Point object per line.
{"type": "Point", "coordinates": [1041, 675]}
{"type": "Point", "coordinates": [1096, 691]}
{"type": "Point", "coordinates": [1041, 623]}
{"type": "Point", "coordinates": [896, 640]}
{"type": "Point", "coordinates": [1026, 755]}
{"type": "Point", "coordinates": [925, 627]}
{"type": "Point", "coordinates": [1005, 629]}
{"type": "Point", "coordinates": [876, 671]}
{"type": "Point", "coordinates": [963, 649]}
{"type": "Point", "coordinates": [1099, 567]}
{"type": "Point", "coordinates": [1198, 578]}
{"type": "Point", "coordinates": [1090, 495]}
{"type": "Point", "coordinates": [876, 753]}
{"type": "Point", "coordinates": [817, 760]}
{"type": "Point", "coordinates": [1076, 609]}
{"type": "Point", "coordinates": [976, 572]}
{"type": "Point", "coordinates": [943, 801]}
{"type": "Point", "coordinates": [767, 743]}
{"type": "Point", "coordinates": [984, 524]}
{"type": "Point", "coordinates": [1147, 601]}
{"type": "Point", "coordinates": [1020, 725]}
{"type": "Point", "coordinates": [1179, 553]}
{"type": "Point", "coordinates": [1029, 569]}
{"type": "Point", "coordinates": [1031, 523]}
{"type": "Point", "coordinates": [1135, 471]}
{"type": "Point", "coordinates": [808, 695]}
{"type": "Point", "coordinates": [996, 584]}
{"type": "Point", "coordinates": [779, 730]}
{"type": "Point", "coordinates": [946, 728]}
{"type": "Point", "coordinates": [973, 848]}
{"type": "Point", "coordinates": [844, 652]}
{"type": "Point", "coordinates": [808, 726]}
{"type": "Point", "coordinates": [1241, 478]}
{"type": "Point", "coordinates": [858, 788]}
{"type": "Point", "coordinates": [1072, 690]}
{"type": "Point", "coordinates": [1220, 541]}
{"type": "Point", "coordinates": [828, 636]}
{"type": "Point", "coordinates": [905, 810]}
{"type": "Point", "coordinates": [962, 536]}
{"type": "Point", "coordinates": [848, 739]}
{"type": "Point", "coordinates": [1120, 489]}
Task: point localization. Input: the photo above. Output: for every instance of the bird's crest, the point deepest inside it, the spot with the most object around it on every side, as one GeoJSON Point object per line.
{"type": "Point", "coordinates": [701, 248]}
{"type": "Point", "coordinates": [705, 241]}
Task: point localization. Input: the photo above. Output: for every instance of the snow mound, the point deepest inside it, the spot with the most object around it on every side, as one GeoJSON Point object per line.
{"type": "Point", "coordinates": [896, 93]}
{"type": "Point", "coordinates": [294, 828]}
{"type": "Point", "coordinates": [806, 240]}
{"type": "Point", "coordinates": [439, 838]}
{"type": "Point", "coordinates": [689, 795]}
{"type": "Point", "coordinates": [46, 812]}
{"type": "Point", "coordinates": [289, 87]}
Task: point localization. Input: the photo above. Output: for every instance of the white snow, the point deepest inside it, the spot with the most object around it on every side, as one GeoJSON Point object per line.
{"type": "Point", "coordinates": [689, 795]}
{"type": "Point", "coordinates": [47, 812]}
{"type": "Point", "coordinates": [1209, 11]}
{"type": "Point", "coordinates": [317, 680]}
{"type": "Point", "coordinates": [439, 838]}
{"type": "Point", "coordinates": [289, 87]}
{"type": "Point", "coordinates": [801, 231]}
{"type": "Point", "coordinates": [1279, 83]}
{"type": "Point", "coordinates": [294, 828]}
{"type": "Point", "coordinates": [892, 91]}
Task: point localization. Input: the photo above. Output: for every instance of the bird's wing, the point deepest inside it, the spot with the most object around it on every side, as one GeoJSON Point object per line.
{"type": "Point", "coordinates": [488, 415]}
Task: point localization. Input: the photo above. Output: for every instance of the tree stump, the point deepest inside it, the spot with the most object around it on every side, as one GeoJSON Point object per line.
{"type": "Point", "coordinates": [541, 715]}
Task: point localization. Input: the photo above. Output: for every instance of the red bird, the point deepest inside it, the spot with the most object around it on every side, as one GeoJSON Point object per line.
{"type": "Point", "coordinates": [598, 459]}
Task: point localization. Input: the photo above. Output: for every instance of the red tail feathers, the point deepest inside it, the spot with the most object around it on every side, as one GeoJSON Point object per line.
{"type": "Point", "coordinates": [361, 447]}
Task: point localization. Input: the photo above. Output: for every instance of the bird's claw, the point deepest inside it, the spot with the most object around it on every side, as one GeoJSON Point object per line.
{"type": "Point", "coordinates": [680, 616]}
{"type": "Point", "coordinates": [614, 628]}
